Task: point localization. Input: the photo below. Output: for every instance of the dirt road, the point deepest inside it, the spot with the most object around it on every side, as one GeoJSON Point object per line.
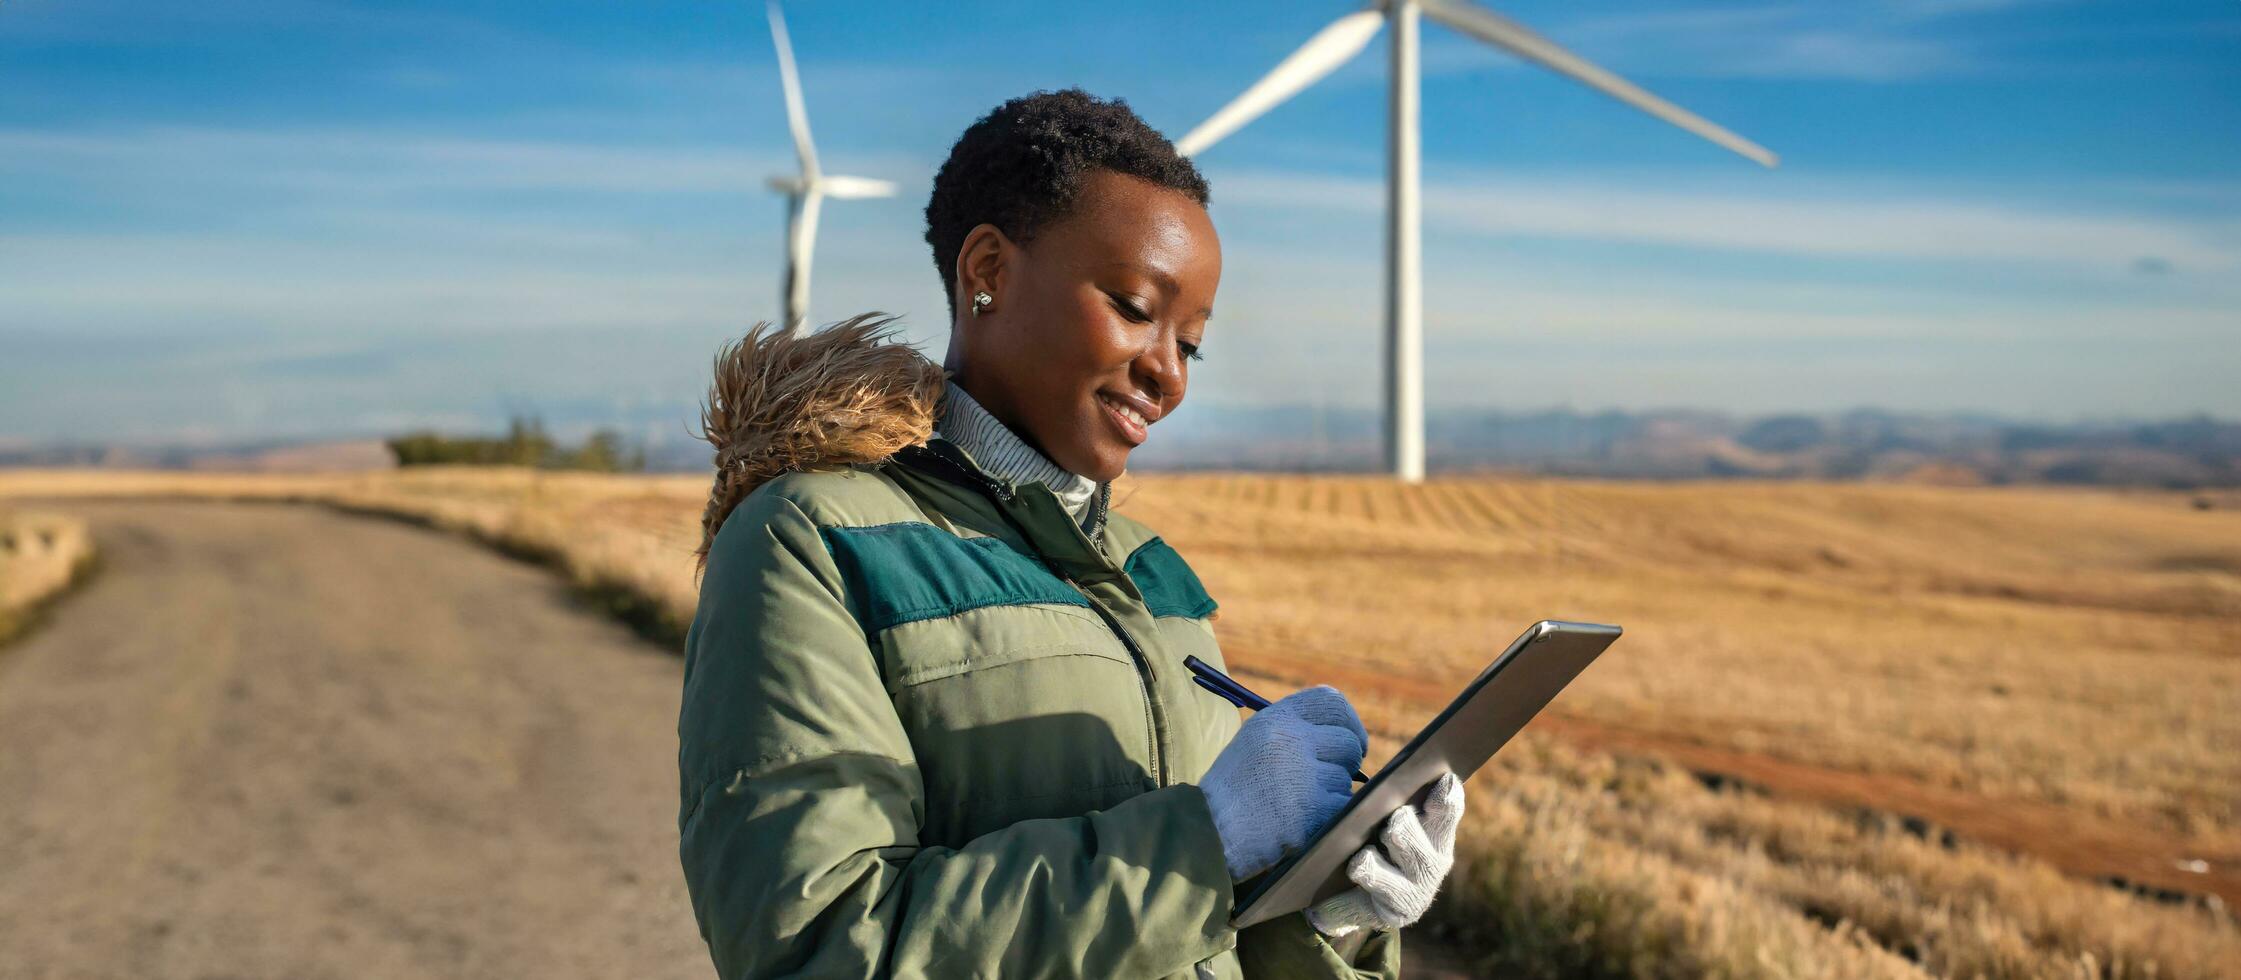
{"type": "Point", "coordinates": [272, 741]}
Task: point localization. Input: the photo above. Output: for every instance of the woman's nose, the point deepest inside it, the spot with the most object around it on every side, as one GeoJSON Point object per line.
{"type": "Point", "coordinates": [1162, 367]}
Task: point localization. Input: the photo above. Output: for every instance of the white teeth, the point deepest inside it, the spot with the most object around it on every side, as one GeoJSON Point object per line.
{"type": "Point", "coordinates": [1131, 414]}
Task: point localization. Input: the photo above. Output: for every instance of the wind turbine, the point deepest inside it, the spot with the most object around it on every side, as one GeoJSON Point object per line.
{"type": "Point", "coordinates": [1404, 287]}
{"type": "Point", "coordinates": [806, 192]}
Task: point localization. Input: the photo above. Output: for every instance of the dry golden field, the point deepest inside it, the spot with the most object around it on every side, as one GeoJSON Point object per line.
{"type": "Point", "coordinates": [1853, 730]}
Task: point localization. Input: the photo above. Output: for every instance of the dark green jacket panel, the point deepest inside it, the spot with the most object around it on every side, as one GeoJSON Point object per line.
{"type": "Point", "coordinates": [910, 571]}
{"type": "Point", "coordinates": [1169, 586]}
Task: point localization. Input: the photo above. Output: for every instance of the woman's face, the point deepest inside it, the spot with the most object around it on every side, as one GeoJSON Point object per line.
{"type": "Point", "coordinates": [1089, 341]}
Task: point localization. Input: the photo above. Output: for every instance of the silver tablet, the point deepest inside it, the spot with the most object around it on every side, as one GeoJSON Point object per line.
{"type": "Point", "coordinates": [1506, 695]}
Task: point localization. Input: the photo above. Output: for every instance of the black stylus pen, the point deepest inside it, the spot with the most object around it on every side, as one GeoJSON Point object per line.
{"type": "Point", "coordinates": [1233, 692]}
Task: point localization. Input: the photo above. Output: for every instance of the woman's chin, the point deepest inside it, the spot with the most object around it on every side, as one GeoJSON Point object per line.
{"type": "Point", "coordinates": [1109, 464]}
{"type": "Point", "coordinates": [1102, 457]}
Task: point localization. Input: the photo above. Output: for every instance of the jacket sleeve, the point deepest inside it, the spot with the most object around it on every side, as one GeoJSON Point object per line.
{"type": "Point", "coordinates": [801, 803]}
{"type": "Point", "coordinates": [1288, 946]}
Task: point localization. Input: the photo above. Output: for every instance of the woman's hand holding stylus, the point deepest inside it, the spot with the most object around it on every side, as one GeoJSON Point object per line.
{"type": "Point", "coordinates": [1283, 777]}
{"type": "Point", "coordinates": [1394, 892]}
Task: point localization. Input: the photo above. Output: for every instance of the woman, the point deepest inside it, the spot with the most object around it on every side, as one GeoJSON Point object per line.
{"type": "Point", "coordinates": [936, 720]}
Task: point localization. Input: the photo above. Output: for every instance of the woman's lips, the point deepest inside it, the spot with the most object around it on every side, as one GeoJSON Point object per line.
{"type": "Point", "coordinates": [1123, 421]}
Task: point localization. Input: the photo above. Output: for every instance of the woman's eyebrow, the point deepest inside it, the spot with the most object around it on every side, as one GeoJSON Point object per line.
{"type": "Point", "coordinates": [1160, 276]}
{"type": "Point", "coordinates": [1165, 281]}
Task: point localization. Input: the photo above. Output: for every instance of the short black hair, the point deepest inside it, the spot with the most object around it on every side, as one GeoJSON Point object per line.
{"type": "Point", "coordinates": [1022, 165]}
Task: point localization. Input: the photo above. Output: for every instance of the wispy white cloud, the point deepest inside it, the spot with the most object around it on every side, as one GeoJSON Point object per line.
{"type": "Point", "coordinates": [363, 160]}
{"type": "Point", "coordinates": [132, 22]}
{"type": "Point", "coordinates": [1852, 42]}
{"type": "Point", "coordinates": [1308, 328]}
{"type": "Point", "coordinates": [1906, 41]}
{"type": "Point", "coordinates": [1821, 295]}
{"type": "Point", "coordinates": [95, 282]}
{"type": "Point", "coordinates": [421, 240]}
{"type": "Point", "coordinates": [1833, 223]}
{"type": "Point", "coordinates": [1938, 9]}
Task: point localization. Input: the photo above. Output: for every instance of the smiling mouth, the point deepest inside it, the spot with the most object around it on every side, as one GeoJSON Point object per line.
{"type": "Point", "coordinates": [1125, 419]}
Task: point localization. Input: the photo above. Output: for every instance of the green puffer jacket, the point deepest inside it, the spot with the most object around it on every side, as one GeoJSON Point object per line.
{"type": "Point", "coordinates": [931, 729]}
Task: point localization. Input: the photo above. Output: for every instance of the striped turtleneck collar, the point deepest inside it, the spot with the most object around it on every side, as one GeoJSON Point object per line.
{"type": "Point", "coordinates": [1004, 455]}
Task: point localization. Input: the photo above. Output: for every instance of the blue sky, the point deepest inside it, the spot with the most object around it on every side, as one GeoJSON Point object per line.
{"type": "Point", "coordinates": [227, 220]}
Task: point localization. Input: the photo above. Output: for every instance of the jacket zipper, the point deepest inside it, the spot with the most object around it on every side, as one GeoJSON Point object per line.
{"type": "Point", "coordinates": [1143, 679]}
{"type": "Point", "coordinates": [1002, 492]}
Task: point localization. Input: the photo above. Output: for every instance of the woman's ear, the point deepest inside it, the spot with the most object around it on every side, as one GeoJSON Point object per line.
{"type": "Point", "coordinates": [982, 265]}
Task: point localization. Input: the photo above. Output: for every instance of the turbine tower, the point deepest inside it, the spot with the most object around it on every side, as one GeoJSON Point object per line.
{"type": "Point", "coordinates": [1404, 275]}
{"type": "Point", "coordinates": [806, 192]}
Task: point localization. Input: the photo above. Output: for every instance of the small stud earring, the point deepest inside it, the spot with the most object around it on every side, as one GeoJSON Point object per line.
{"type": "Point", "coordinates": [981, 299]}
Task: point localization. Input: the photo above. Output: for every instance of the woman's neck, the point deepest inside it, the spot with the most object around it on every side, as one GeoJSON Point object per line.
{"type": "Point", "coordinates": [1000, 450]}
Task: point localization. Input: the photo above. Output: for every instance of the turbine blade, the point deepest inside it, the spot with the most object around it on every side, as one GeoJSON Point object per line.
{"type": "Point", "coordinates": [1329, 48]}
{"type": "Point", "coordinates": [838, 186]}
{"type": "Point", "coordinates": [1525, 43]}
{"type": "Point", "coordinates": [797, 117]}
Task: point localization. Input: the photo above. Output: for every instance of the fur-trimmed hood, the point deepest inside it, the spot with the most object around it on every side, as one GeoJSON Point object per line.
{"type": "Point", "coordinates": [844, 395]}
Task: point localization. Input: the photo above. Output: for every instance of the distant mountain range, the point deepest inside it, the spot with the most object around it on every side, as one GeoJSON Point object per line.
{"type": "Point", "coordinates": [275, 456]}
{"type": "Point", "coordinates": [1864, 444]}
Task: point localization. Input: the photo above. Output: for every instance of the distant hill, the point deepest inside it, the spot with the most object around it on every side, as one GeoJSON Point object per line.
{"type": "Point", "coordinates": [1863, 444]}
{"type": "Point", "coordinates": [1866, 444]}
{"type": "Point", "coordinates": [274, 457]}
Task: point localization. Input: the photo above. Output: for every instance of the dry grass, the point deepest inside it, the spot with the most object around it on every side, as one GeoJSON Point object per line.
{"type": "Point", "coordinates": [1584, 864]}
{"type": "Point", "coordinates": [2051, 678]}
{"type": "Point", "coordinates": [2078, 649]}
{"type": "Point", "coordinates": [2055, 672]}
{"type": "Point", "coordinates": [40, 555]}
{"type": "Point", "coordinates": [616, 537]}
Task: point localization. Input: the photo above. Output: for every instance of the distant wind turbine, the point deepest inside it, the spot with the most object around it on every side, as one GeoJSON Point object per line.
{"type": "Point", "coordinates": [1404, 286]}
{"type": "Point", "coordinates": [806, 192]}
